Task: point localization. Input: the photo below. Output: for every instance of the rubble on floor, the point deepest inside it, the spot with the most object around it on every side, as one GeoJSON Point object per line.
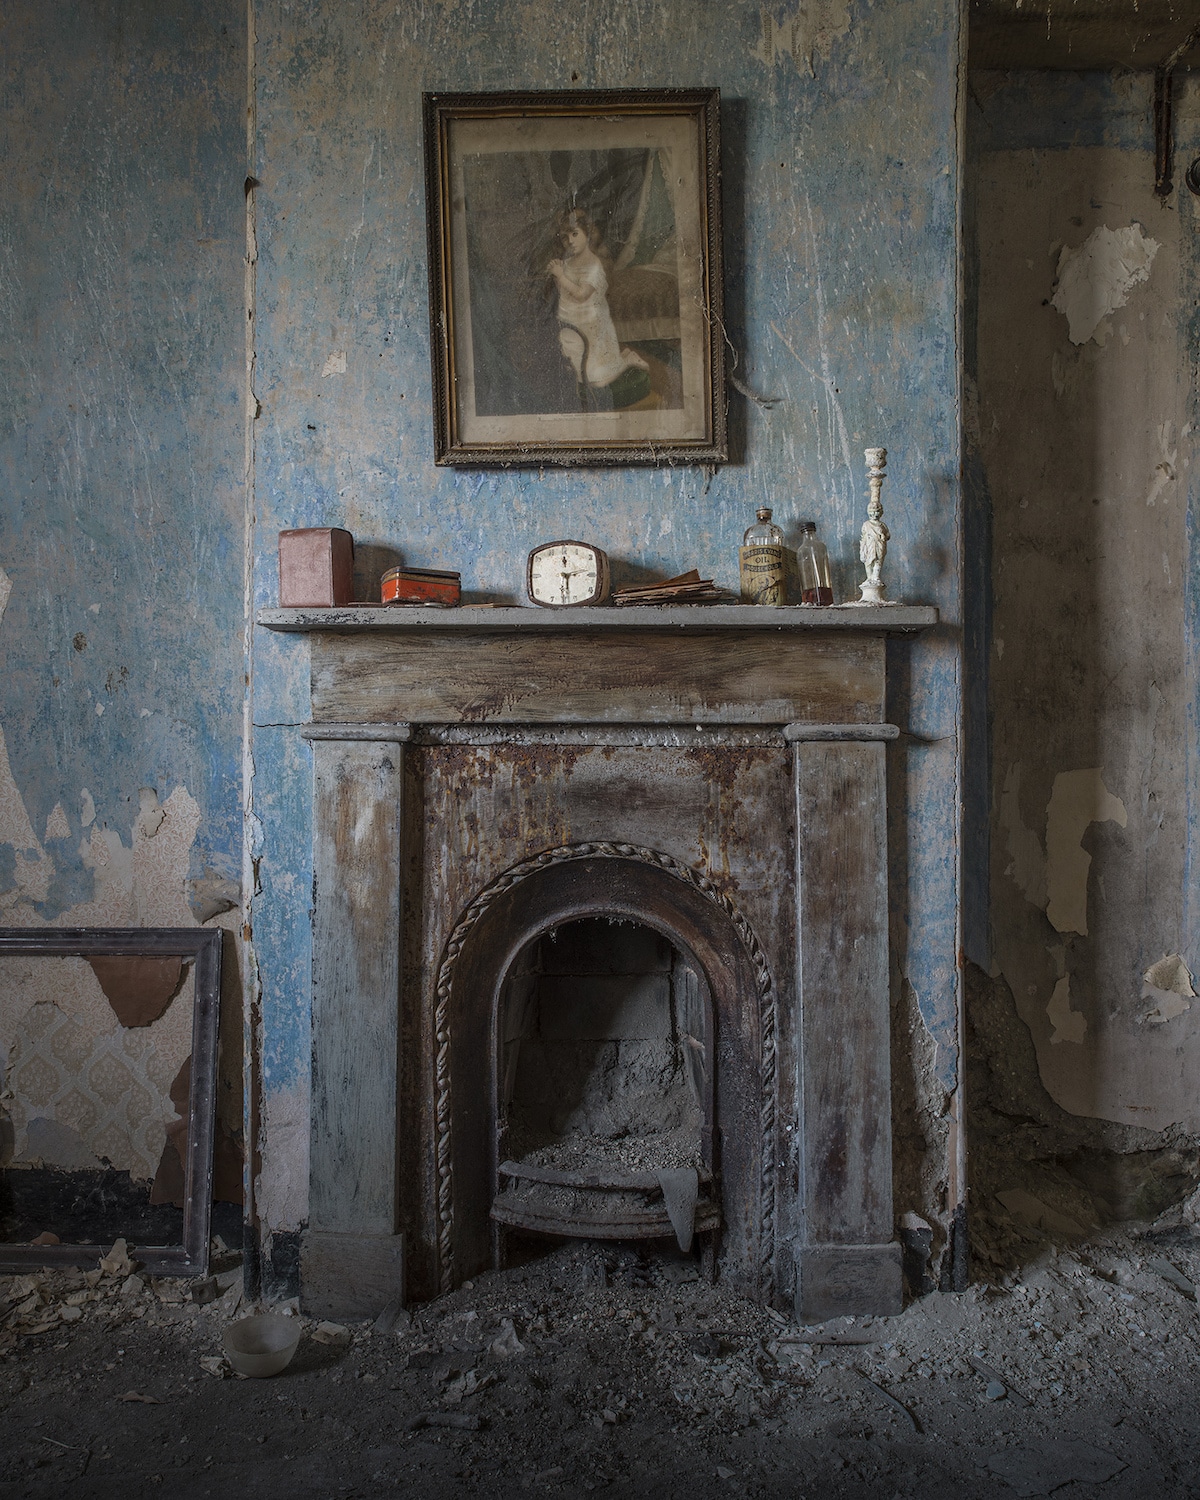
{"type": "Point", "coordinates": [604, 1370]}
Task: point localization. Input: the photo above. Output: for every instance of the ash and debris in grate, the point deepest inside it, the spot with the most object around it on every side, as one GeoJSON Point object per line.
{"type": "Point", "coordinates": [665, 1151]}
{"type": "Point", "coordinates": [602, 1370]}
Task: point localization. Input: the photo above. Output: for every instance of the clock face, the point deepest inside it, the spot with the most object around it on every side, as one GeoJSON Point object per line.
{"type": "Point", "coordinates": [567, 573]}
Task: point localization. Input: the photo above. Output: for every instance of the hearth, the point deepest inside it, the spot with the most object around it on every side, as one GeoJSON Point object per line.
{"type": "Point", "coordinates": [599, 944]}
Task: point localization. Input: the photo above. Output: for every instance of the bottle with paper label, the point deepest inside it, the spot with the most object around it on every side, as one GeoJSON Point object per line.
{"type": "Point", "coordinates": [761, 560]}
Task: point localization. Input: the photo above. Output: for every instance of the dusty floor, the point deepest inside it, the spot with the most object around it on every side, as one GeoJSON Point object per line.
{"type": "Point", "coordinates": [597, 1371]}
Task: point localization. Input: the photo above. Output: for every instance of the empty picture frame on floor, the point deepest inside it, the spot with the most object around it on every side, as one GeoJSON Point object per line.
{"type": "Point", "coordinates": [203, 947]}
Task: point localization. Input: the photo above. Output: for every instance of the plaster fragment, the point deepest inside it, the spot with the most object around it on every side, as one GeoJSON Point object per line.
{"type": "Point", "coordinates": [138, 988]}
{"type": "Point", "coordinates": [810, 31]}
{"type": "Point", "coordinates": [1079, 798]}
{"type": "Point", "coordinates": [150, 815]}
{"type": "Point", "coordinates": [1096, 278]}
{"type": "Point", "coordinates": [1069, 1025]}
{"type": "Point", "coordinates": [1166, 983]}
{"type": "Point", "coordinates": [335, 364]}
{"type": "Point", "coordinates": [87, 805]}
{"type": "Point", "coordinates": [57, 826]}
{"type": "Point", "coordinates": [1170, 973]}
{"type": "Point", "coordinates": [5, 590]}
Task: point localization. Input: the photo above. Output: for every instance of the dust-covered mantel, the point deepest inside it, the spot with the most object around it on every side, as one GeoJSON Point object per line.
{"type": "Point", "coordinates": [890, 619]}
{"type": "Point", "coordinates": [711, 777]}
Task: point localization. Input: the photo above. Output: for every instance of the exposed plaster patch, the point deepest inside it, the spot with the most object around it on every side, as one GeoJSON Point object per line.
{"type": "Point", "coordinates": [150, 815]}
{"type": "Point", "coordinates": [281, 1195]}
{"type": "Point", "coordinates": [1069, 1025]}
{"type": "Point", "coordinates": [87, 808]}
{"type": "Point", "coordinates": [1166, 983]}
{"type": "Point", "coordinates": [1079, 798]}
{"type": "Point", "coordinates": [57, 826]}
{"type": "Point", "coordinates": [5, 590]}
{"type": "Point", "coordinates": [335, 365]}
{"type": "Point", "coordinates": [1027, 864]}
{"type": "Point", "coordinates": [807, 33]}
{"type": "Point", "coordinates": [1096, 278]}
{"type": "Point", "coordinates": [68, 1058]}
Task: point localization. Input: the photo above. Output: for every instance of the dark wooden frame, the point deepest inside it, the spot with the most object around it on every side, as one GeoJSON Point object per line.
{"type": "Point", "coordinates": [203, 946]}
{"type": "Point", "coordinates": [440, 110]}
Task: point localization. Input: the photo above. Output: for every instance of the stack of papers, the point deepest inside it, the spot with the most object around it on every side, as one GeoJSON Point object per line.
{"type": "Point", "coordinates": [688, 588]}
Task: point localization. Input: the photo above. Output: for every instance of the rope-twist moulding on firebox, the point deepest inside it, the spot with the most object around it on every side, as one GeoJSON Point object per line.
{"type": "Point", "coordinates": [445, 981]}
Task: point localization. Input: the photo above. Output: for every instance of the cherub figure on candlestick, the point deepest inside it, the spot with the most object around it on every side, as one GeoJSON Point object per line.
{"type": "Point", "coordinates": [872, 546]}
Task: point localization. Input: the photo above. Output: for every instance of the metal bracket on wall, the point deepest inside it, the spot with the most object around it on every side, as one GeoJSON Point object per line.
{"type": "Point", "coordinates": [1163, 122]}
{"type": "Point", "coordinates": [203, 946]}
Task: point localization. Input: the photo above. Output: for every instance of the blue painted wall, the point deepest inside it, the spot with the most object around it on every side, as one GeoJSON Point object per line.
{"type": "Point", "coordinates": [121, 442]}
{"type": "Point", "coordinates": [840, 192]}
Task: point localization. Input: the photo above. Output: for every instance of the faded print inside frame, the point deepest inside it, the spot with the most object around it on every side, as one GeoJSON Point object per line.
{"type": "Point", "coordinates": [578, 270]}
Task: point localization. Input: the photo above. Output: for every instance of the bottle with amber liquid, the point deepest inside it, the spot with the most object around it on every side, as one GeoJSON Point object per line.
{"type": "Point", "coordinates": [761, 562]}
{"type": "Point", "coordinates": [812, 564]}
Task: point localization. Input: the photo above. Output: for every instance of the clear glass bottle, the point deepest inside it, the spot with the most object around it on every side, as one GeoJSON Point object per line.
{"type": "Point", "coordinates": [761, 560]}
{"type": "Point", "coordinates": [764, 533]}
{"type": "Point", "coordinates": [812, 562]}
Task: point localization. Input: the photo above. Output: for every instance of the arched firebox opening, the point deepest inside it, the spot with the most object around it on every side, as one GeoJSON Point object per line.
{"type": "Point", "coordinates": [604, 1089]}
{"type": "Point", "coordinates": [497, 988]}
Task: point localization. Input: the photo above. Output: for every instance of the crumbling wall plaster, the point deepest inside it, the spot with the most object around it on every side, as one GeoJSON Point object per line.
{"type": "Point", "coordinates": [1086, 436]}
{"type": "Point", "coordinates": [120, 538]}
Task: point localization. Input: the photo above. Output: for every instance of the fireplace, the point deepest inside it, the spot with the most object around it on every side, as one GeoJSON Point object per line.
{"type": "Point", "coordinates": [599, 945]}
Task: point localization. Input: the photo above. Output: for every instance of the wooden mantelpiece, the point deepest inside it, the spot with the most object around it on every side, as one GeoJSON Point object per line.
{"type": "Point", "coordinates": [886, 619]}
{"type": "Point", "coordinates": [722, 764]}
{"type": "Point", "coordinates": [698, 664]}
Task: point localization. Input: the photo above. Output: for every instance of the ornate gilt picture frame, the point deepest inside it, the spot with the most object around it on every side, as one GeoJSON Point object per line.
{"type": "Point", "coordinates": [575, 277]}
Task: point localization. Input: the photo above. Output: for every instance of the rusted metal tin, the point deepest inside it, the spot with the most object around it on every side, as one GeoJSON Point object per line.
{"type": "Point", "coordinates": [420, 586]}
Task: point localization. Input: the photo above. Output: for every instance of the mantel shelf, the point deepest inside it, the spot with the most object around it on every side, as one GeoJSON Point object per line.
{"type": "Point", "coordinates": [885, 619]}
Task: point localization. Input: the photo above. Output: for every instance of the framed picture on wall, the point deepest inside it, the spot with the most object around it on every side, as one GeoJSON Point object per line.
{"type": "Point", "coordinates": [575, 277]}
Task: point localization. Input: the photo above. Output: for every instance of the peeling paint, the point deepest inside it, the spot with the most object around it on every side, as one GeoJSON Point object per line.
{"type": "Point", "coordinates": [150, 815]}
{"type": "Point", "coordinates": [1079, 799]}
{"type": "Point", "coordinates": [1096, 278]}
{"type": "Point", "coordinates": [57, 826]}
{"type": "Point", "coordinates": [1167, 982]}
{"type": "Point", "coordinates": [69, 1059]}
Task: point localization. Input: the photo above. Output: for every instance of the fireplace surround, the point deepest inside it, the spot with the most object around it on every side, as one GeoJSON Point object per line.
{"type": "Point", "coordinates": [484, 779]}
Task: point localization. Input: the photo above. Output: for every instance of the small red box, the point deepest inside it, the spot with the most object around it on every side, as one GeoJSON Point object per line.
{"type": "Point", "coordinates": [420, 586]}
{"type": "Point", "coordinates": [316, 567]}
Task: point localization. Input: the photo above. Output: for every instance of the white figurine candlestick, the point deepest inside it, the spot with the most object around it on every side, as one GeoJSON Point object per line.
{"type": "Point", "coordinates": [872, 546]}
